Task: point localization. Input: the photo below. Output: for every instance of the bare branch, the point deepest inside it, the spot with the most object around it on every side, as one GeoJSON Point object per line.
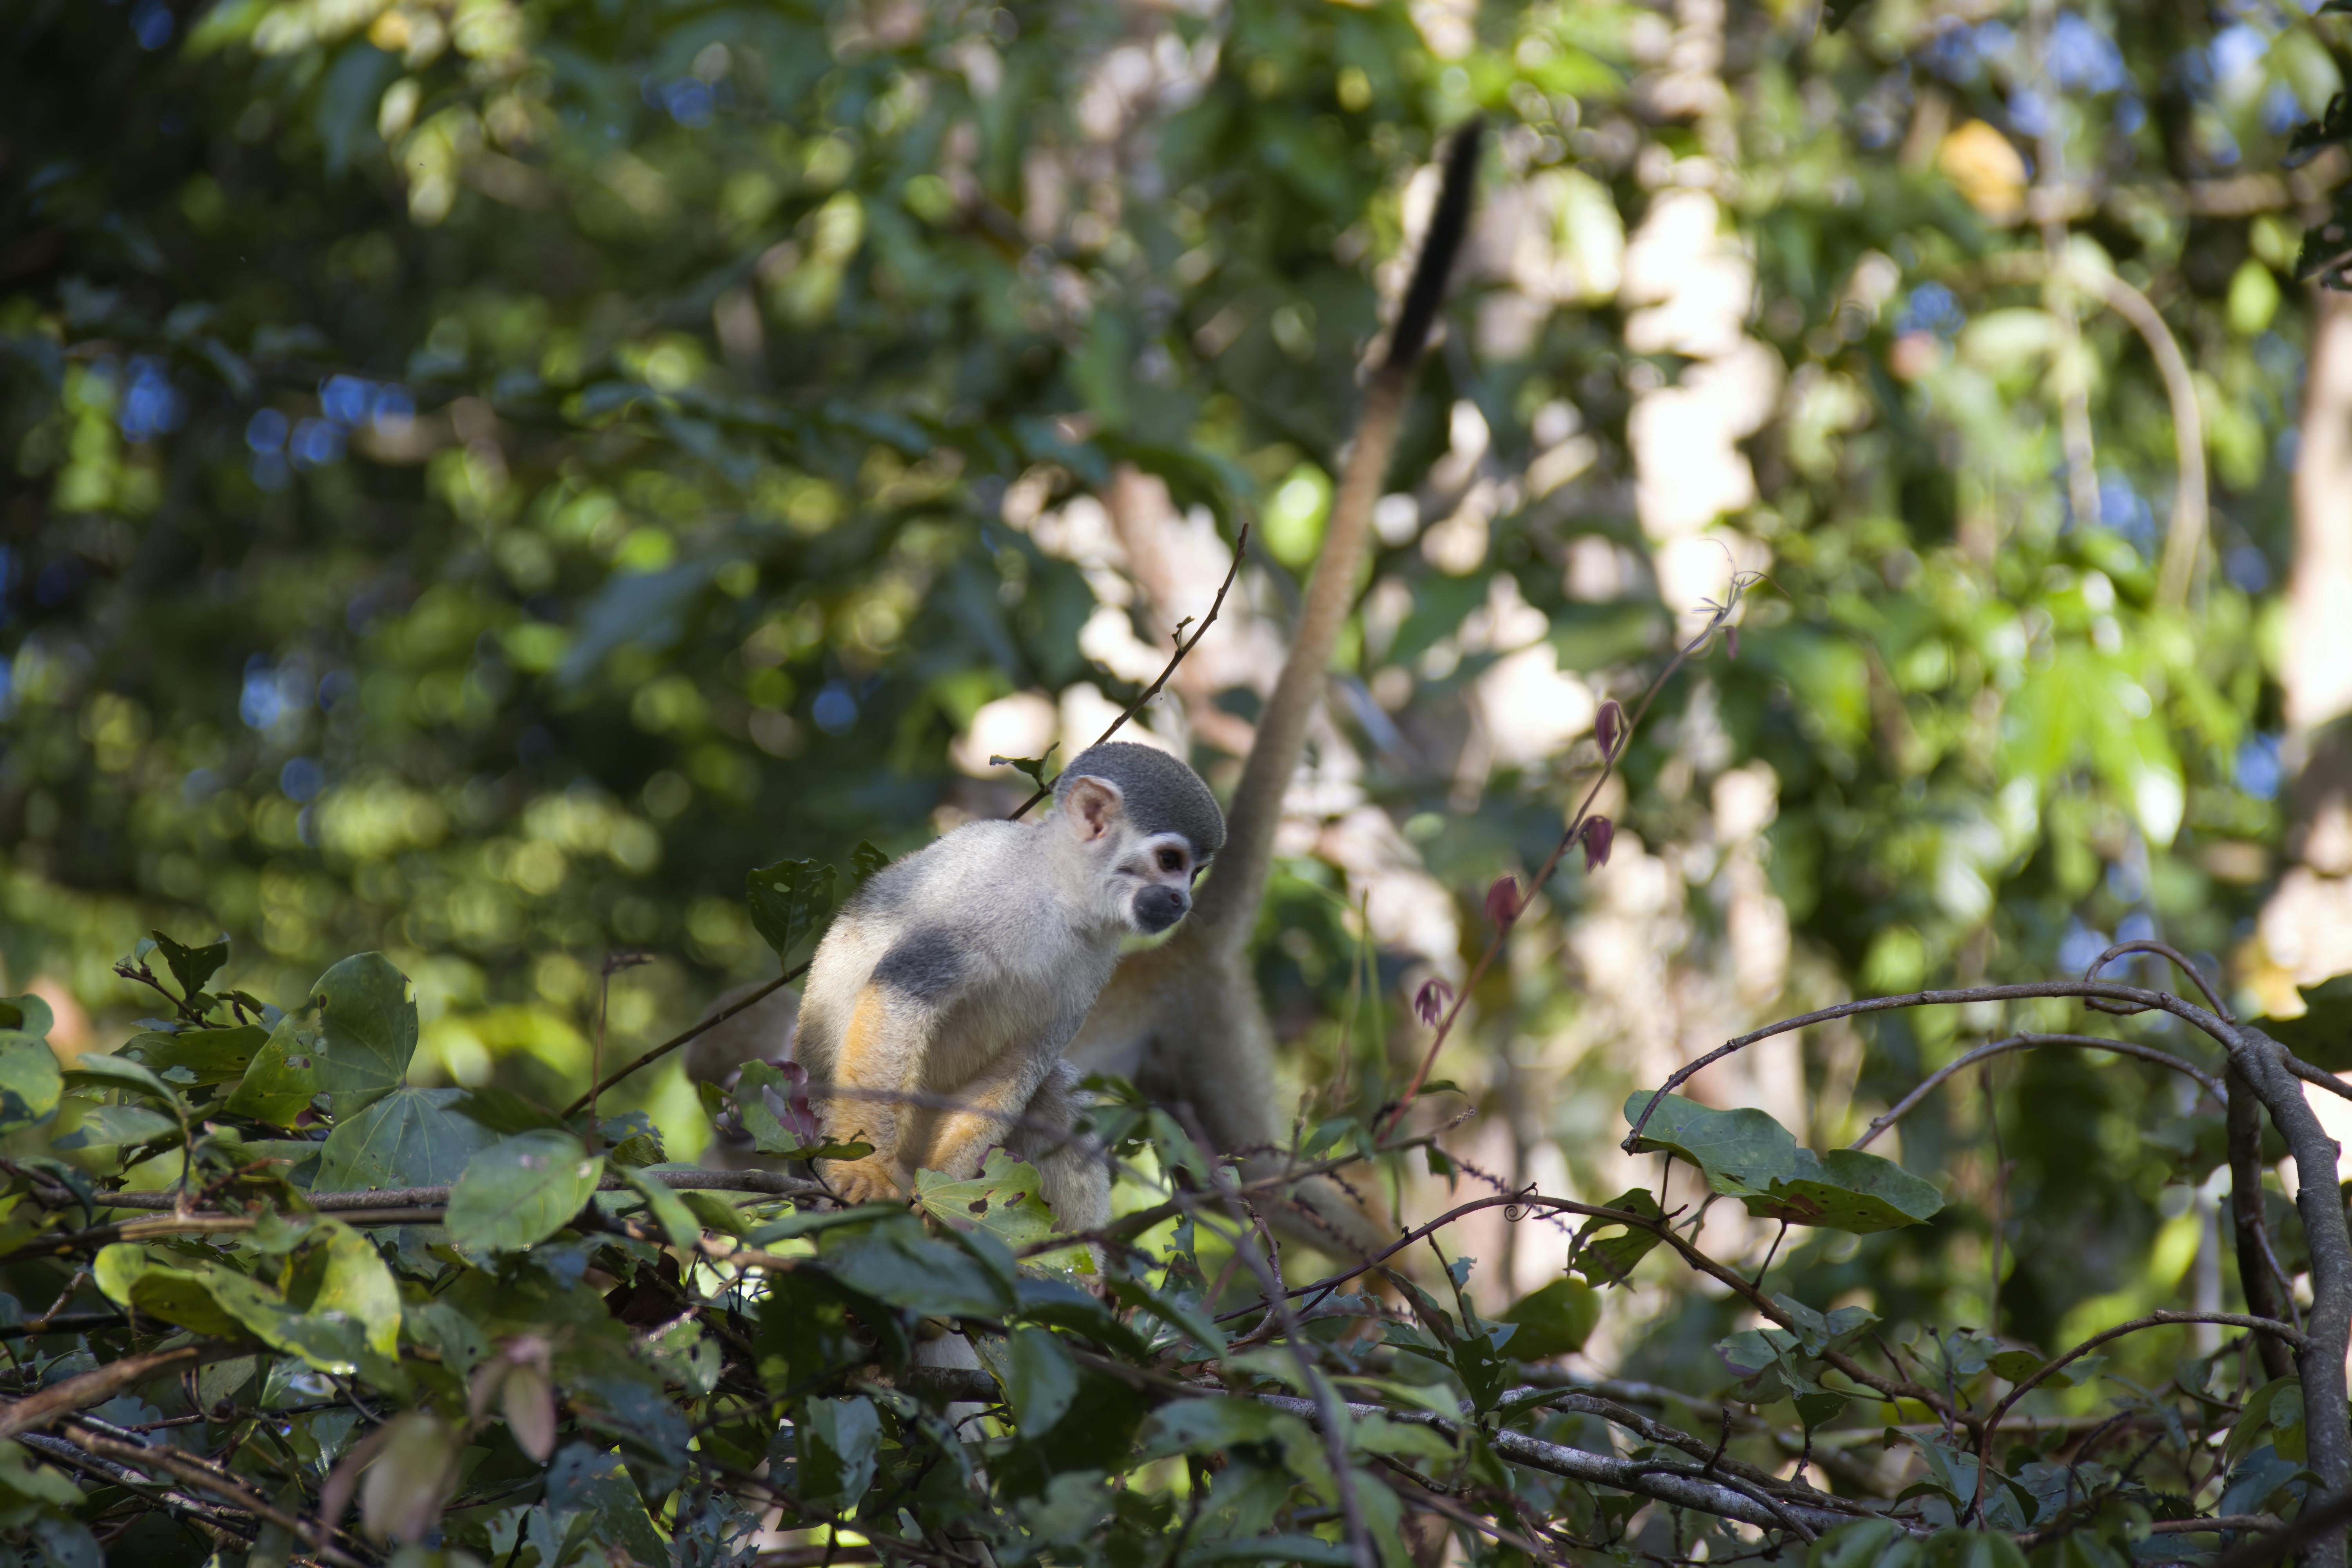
{"type": "Point", "coordinates": [2205, 1080]}
{"type": "Point", "coordinates": [2138, 999]}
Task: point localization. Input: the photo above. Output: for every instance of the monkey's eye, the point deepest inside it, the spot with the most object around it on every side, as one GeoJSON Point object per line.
{"type": "Point", "coordinates": [1171, 861]}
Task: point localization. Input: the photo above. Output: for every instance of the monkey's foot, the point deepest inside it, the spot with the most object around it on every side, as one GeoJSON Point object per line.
{"type": "Point", "coordinates": [866, 1180]}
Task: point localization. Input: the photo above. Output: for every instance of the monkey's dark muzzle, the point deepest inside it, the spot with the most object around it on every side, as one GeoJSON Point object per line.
{"type": "Point", "coordinates": [1157, 909]}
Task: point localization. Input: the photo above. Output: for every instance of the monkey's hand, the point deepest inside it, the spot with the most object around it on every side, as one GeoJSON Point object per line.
{"type": "Point", "coordinates": [872, 1180]}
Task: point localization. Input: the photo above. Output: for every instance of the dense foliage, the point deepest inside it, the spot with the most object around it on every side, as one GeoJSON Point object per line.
{"type": "Point", "coordinates": [485, 476]}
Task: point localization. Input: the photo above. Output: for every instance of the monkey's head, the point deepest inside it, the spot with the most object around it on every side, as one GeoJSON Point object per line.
{"type": "Point", "coordinates": [1149, 824]}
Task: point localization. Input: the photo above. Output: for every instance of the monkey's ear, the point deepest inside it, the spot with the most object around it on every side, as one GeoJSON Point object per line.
{"type": "Point", "coordinates": [1093, 806]}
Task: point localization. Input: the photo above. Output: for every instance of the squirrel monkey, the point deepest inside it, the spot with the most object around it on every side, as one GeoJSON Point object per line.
{"type": "Point", "coordinates": [939, 1002]}
{"type": "Point", "coordinates": [1184, 1019]}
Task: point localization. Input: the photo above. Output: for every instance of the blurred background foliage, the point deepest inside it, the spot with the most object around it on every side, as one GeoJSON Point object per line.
{"type": "Point", "coordinates": [480, 476]}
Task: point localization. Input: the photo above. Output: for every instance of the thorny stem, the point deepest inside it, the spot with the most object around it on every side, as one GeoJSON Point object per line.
{"type": "Point", "coordinates": [1741, 584]}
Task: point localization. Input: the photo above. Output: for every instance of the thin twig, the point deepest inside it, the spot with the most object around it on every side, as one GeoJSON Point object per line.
{"type": "Point", "coordinates": [2205, 1080]}
{"type": "Point", "coordinates": [1740, 583]}
{"type": "Point", "coordinates": [1183, 645]}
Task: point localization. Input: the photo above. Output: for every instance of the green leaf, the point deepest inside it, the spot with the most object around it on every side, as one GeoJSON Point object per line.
{"type": "Point", "coordinates": [789, 901]}
{"type": "Point", "coordinates": [1606, 1251]}
{"type": "Point", "coordinates": [1819, 1332]}
{"type": "Point", "coordinates": [23, 1478]}
{"type": "Point", "coordinates": [1852, 1192]}
{"type": "Point", "coordinates": [208, 1056]}
{"type": "Point", "coordinates": [366, 1025]}
{"type": "Point", "coordinates": [30, 1081]}
{"type": "Point", "coordinates": [1032, 768]}
{"type": "Point", "coordinates": [27, 1015]}
{"type": "Point", "coordinates": [410, 1138]}
{"type": "Point", "coordinates": [678, 1221]}
{"type": "Point", "coordinates": [713, 1213]}
{"type": "Point", "coordinates": [839, 1439]}
{"type": "Point", "coordinates": [1737, 1151]}
{"type": "Point", "coordinates": [521, 1190]}
{"type": "Point", "coordinates": [2255, 1419]}
{"type": "Point", "coordinates": [894, 1262]}
{"type": "Point", "coordinates": [191, 966]}
{"type": "Point", "coordinates": [283, 1079]}
{"type": "Point", "coordinates": [118, 1072]}
{"type": "Point", "coordinates": [357, 1287]}
{"type": "Point", "coordinates": [1004, 1198]}
{"type": "Point", "coordinates": [1552, 1321]}
{"type": "Point", "coordinates": [119, 1126]}
{"type": "Point", "coordinates": [864, 861]}
{"type": "Point", "coordinates": [177, 1295]}
{"type": "Point", "coordinates": [1744, 1153]}
{"type": "Point", "coordinates": [1040, 1380]}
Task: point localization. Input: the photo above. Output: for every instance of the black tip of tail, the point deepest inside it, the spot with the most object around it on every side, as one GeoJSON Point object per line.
{"type": "Point", "coordinates": [1438, 247]}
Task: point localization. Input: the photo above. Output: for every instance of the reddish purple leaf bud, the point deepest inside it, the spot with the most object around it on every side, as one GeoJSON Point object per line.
{"type": "Point", "coordinates": [1731, 640]}
{"type": "Point", "coordinates": [1429, 1003]}
{"type": "Point", "coordinates": [1597, 834]}
{"type": "Point", "coordinates": [1502, 901]}
{"type": "Point", "coordinates": [1608, 728]}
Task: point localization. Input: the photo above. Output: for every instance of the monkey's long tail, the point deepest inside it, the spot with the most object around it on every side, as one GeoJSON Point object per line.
{"type": "Point", "coordinates": [1226, 909]}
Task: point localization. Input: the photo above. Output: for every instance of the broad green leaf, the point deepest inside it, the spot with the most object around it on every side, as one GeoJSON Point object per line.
{"type": "Point", "coordinates": [1848, 1190]}
{"type": "Point", "coordinates": [521, 1190]}
{"type": "Point", "coordinates": [1040, 1380]}
{"type": "Point", "coordinates": [789, 900]}
{"type": "Point", "coordinates": [191, 966]}
{"type": "Point", "coordinates": [893, 1261]}
{"type": "Point", "coordinates": [410, 1138]}
{"type": "Point", "coordinates": [1605, 1251]}
{"type": "Point", "coordinates": [129, 1279]}
{"type": "Point", "coordinates": [93, 1070]}
{"type": "Point", "coordinates": [676, 1220]}
{"type": "Point", "coordinates": [27, 1015]}
{"type": "Point", "coordinates": [713, 1212]}
{"type": "Point", "coordinates": [2255, 1419]}
{"type": "Point", "coordinates": [31, 1083]}
{"type": "Point", "coordinates": [1737, 1151]}
{"type": "Point", "coordinates": [1551, 1321]}
{"type": "Point", "coordinates": [119, 1126]}
{"type": "Point", "coordinates": [208, 1056]}
{"type": "Point", "coordinates": [366, 1025]}
{"type": "Point", "coordinates": [1821, 1331]}
{"type": "Point", "coordinates": [839, 1439]}
{"type": "Point", "coordinates": [1004, 1198]}
{"type": "Point", "coordinates": [282, 1079]}
{"type": "Point", "coordinates": [23, 1478]}
{"type": "Point", "coordinates": [1744, 1153]}
{"type": "Point", "coordinates": [865, 861]}
{"type": "Point", "coordinates": [596, 1489]}
{"type": "Point", "coordinates": [357, 1286]}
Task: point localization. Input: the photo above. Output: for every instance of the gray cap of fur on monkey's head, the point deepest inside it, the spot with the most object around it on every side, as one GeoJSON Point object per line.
{"type": "Point", "coordinates": [1163, 795]}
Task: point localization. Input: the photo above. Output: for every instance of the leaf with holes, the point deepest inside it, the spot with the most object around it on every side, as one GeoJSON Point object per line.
{"type": "Point", "coordinates": [1004, 1198]}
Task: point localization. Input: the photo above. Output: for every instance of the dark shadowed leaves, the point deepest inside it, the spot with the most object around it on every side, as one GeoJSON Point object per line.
{"type": "Point", "coordinates": [789, 901]}
{"type": "Point", "coordinates": [1553, 1321]}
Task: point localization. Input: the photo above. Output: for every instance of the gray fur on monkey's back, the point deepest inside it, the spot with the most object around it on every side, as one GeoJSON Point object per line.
{"type": "Point", "coordinates": [981, 922]}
